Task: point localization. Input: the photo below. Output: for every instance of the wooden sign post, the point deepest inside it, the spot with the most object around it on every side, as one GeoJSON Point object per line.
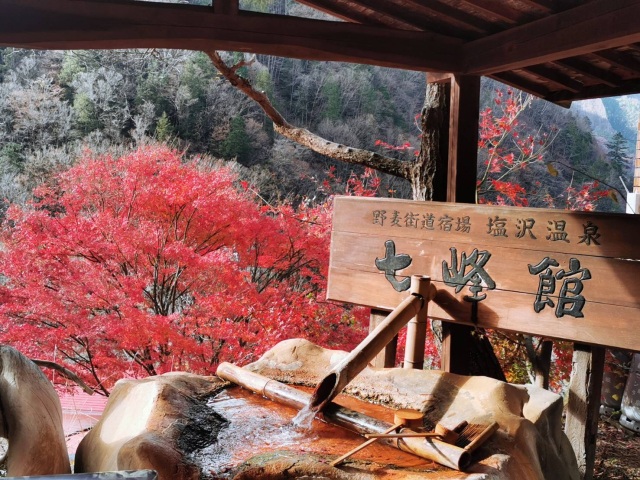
{"type": "Point", "coordinates": [551, 273]}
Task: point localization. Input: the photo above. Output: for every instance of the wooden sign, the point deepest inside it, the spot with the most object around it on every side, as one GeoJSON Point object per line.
{"type": "Point", "coordinates": [552, 273]}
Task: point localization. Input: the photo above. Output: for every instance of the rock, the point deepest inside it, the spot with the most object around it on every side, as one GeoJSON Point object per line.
{"type": "Point", "coordinates": [153, 424]}
{"type": "Point", "coordinates": [30, 418]}
{"type": "Point", "coordinates": [530, 443]}
{"type": "Point", "coordinates": [185, 427]}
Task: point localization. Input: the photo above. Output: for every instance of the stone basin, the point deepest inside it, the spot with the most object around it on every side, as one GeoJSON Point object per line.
{"type": "Point", "coordinates": [188, 426]}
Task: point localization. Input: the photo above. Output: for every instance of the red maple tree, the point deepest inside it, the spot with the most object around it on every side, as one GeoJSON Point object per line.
{"type": "Point", "coordinates": [147, 263]}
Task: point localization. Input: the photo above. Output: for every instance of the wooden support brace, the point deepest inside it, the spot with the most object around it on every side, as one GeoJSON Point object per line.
{"type": "Point", "coordinates": [386, 358]}
{"type": "Point", "coordinates": [584, 402]}
{"type": "Point", "coordinates": [456, 345]}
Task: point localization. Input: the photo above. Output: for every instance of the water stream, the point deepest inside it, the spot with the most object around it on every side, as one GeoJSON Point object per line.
{"type": "Point", "coordinates": [257, 425]}
{"type": "Point", "coordinates": [304, 419]}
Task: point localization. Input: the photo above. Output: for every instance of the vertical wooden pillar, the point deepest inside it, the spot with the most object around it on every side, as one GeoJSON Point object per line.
{"type": "Point", "coordinates": [386, 358]}
{"type": "Point", "coordinates": [582, 409]}
{"type": "Point", "coordinates": [462, 155]}
{"type": "Point", "coordinates": [226, 7]}
{"type": "Point", "coordinates": [464, 115]}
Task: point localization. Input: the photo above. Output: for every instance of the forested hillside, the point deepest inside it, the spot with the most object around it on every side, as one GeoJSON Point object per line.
{"type": "Point", "coordinates": [54, 104]}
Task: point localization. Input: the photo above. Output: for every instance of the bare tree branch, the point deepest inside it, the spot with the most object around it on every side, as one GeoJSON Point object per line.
{"type": "Point", "coordinates": [66, 372]}
{"type": "Point", "coordinates": [304, 137]}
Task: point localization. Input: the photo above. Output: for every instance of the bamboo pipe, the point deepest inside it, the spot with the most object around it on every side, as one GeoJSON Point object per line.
{"type": "Point", "coordinates": [430, 449]}
{"type": "Point", "coordinates": [345, 371]}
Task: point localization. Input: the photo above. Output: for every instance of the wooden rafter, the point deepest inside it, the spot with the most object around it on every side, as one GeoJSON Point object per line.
{"type": "Point", "coordinates": [619, 60]}
{"type": "Point", "coordinates": [590, 71]}
{"type": "Point", "coordinates": [447, 15]}
{"type": "Point", "coordinates": [340, 11]}
{"type": "Point", "coordinates": [596, 91]}
{"type": "Point", "coordinates": [544, 6]}
{"type": "Point", "coordinates": [500, 11]}
{"type": "Point", "coordinates": [518, 81]}
{"type": "Point", "coordinates": [596, 25]}
{"type": "Point", "coordinates": [555, 77]}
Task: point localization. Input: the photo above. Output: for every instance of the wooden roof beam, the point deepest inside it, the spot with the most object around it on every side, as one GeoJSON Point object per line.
{"type": "Point", "coordinates": [555, 77]}
{"type": "Point", "coordinates": [384, 13]}
{"type": "Point", "coordinates": [597, 91]}
{"type": "Point", "coordinates": [499, 11]}
{"type": "Point", "coordinates": [588, 70]}
{"type": "Point", "coordinates": [226, 7]}
{"type": "Point", "coordinates": [545, 6]}
{"type": "Point", "coordinates": [592, 26]}
{"type": "Point", "coordinates": [620, 60]}
{"type": "Point", "coordinates": [339, 11]}
{"type": "Point", "coordinates": [517, 81]}
{"type": "Point", "coordinates": [94, 24]}
{"type": "Point", "coordinates": [448, 14]}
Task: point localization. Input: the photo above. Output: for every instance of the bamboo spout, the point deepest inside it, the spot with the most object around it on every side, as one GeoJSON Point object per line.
{"type": "Point", "coordinates": [432, 449]}
{"type": "Point", "coordinates": [421, 292]}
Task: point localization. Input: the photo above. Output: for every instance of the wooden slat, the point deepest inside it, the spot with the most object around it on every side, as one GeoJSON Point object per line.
{"type": "Point", "coordinates": [507, 266]}
{"type": "Point", "coordinates": [620, 60]}
{"type": "Point", "coordinates": [361, 14]}
{"type": "Point", "coordinates": [592, 26]}
{"type": "Point", "coordinates": [390, 14]}
{"type": "Point", "coordinates": [612, 294]}
{"type": "Point", "coordinates": [448, 15]}
{"type": "Point", "coordinates": [617, 231]}
{"type": "Point", "coordinates": [565, 98]}
{"type": "Point", "coordinates": [590, 71]}
{"type": "Point", "coordinates": [555, 77]}
{"type": "Point", "coordinates": [602, 324]}
{"type": "Point", "coordinates": [497, 11]}
{"type": "Point", "coordinates": [524, 84]}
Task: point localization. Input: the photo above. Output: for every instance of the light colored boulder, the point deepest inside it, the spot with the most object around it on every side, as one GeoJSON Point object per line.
{"type": "Point", "coordinates": [152, 424]}
{"type": "Point", "coordinates": [30, 418]}
{"type": "Point", "coordinates": [178, 424]}
{"type": "Point", "coordinates": [529, 444]}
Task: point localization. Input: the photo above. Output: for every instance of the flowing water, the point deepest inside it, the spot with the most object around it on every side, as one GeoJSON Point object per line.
{"type": "Point", "coordinates": [304, 419]}
{"type": "Point", "coordinates": [257, 425]}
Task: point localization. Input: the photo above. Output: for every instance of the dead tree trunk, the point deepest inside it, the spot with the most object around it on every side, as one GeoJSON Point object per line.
{"type": "Point", "coordinates": [434, 121]}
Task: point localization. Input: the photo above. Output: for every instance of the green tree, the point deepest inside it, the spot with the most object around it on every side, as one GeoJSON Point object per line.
{"type": "Point", "coordinates": [12, 158]}
{"type": "Point", "coordinates": [237, 144]}
{"type": "Point", "coordinates": [164, 129]}
{"type": "Point", "coordinates": [334, 100]}
{"type": "Point", "coordinates": [618, 153]}
{"type": "Point", "coordinates": [86, 115]}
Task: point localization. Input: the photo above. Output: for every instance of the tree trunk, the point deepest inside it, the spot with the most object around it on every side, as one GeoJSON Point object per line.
{"type": "Point", "coordinates": [434, 142]}
{"type": "Point", "coordinates": [540, 360]}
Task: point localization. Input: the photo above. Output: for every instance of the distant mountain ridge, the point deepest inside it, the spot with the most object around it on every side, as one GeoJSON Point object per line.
{"type": "Point", "coordinates": [611, 115]}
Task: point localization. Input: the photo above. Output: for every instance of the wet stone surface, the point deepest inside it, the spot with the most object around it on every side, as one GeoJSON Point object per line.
{"type": "Point", "coordinates": [257, 433]}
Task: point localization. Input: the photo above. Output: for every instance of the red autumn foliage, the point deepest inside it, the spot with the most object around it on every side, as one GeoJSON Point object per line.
{"type": "Point", "coordinates": [504, 150]}
{"type": "Point", "coordinates": [144, 264]}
